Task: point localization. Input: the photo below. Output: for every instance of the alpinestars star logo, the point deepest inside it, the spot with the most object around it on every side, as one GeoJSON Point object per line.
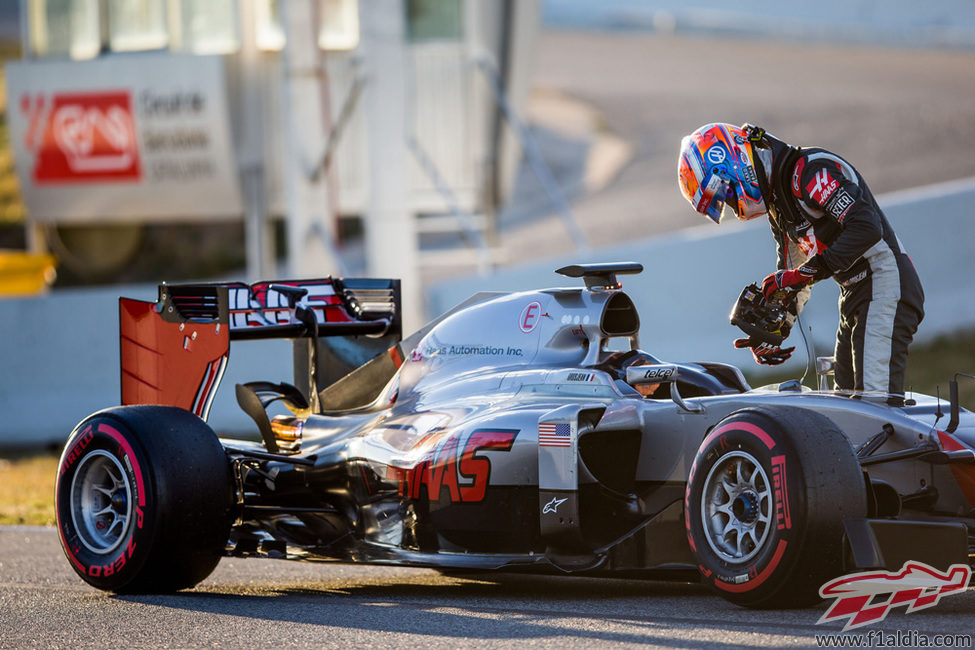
{"type": "Point", "coordinates": [868, 597]}
{"type": "Point", "coordinates": [553, 505]}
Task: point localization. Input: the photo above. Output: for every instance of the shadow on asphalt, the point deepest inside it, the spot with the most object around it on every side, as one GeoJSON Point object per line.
{"type": "Point", "coordinates": [472, 606]}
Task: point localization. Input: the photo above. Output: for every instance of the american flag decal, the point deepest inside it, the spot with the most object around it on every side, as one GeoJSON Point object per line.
{"type": "Point", "coordinates": [552, 434]}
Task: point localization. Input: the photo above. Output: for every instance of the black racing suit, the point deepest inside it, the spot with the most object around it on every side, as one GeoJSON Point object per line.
{"type": "Point", "coordinates": [822, 210]}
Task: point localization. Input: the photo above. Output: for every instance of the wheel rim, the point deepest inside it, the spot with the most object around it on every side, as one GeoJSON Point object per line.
{"type": "Point", "coordinates": [101, 502]}
{"type": "Point", "coordinates": [736, 507]}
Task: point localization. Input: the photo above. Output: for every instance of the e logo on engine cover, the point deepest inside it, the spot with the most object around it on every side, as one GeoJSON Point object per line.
{"type": "Point", "coordinates": [528, 320]}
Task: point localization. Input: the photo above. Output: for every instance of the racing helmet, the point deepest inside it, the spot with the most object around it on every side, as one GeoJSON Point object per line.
{"type": "Point", "coordinates": [717, 168]}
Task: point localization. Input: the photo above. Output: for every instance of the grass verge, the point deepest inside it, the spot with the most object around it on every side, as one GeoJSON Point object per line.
{"type": "Point", "coordinates": [27, 490]}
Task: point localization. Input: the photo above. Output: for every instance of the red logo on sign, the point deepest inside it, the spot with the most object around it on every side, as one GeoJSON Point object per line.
{"type": "Point", "coordinates": [83, 136]}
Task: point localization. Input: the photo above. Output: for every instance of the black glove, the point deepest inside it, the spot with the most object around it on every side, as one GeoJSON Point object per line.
{"type": "Point", "coordinates": [765, 354]}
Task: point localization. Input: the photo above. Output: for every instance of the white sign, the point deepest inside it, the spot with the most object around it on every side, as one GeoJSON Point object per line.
{"type": "Point", "coordinates": [123, 137]}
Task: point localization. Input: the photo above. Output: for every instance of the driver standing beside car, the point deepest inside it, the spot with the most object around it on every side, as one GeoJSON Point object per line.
{"type": "Point", "coordinates": [826, 223]}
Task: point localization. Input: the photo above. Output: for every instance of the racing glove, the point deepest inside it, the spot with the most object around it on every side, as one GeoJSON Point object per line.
{"type": "Point", "coordinates": [765, 354]}
{"type": "Point", "coordinates": [783, 285]}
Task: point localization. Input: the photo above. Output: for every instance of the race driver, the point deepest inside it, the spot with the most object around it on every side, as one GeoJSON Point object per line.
{"type": "Point", "coordinates": [826, 223]}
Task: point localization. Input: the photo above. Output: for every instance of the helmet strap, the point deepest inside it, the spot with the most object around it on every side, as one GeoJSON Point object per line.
{"type": "Point", "coordinates": [756, 136]}
{"type": "Point", "coordinates": [762, 176]}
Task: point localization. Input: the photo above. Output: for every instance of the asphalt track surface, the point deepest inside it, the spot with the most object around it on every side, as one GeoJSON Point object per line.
{"type": "Point", "coordinates": [275, 603]}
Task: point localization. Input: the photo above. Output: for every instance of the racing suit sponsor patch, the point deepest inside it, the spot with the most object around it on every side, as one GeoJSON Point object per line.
{"type": "Point", "coordinates": [839, 205]}
{"type": "Point", "coordinates": [810, 245]}
{"type": "Point", "coordinates": [856, 278]}
{"type": "Point", "coordinates": [797, 177]}
{"type": "Point", "coordinates": [821, 187]}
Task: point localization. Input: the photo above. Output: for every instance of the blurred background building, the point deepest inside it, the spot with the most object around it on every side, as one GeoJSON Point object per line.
{"type": "Point", "coordinates": [330, 119]}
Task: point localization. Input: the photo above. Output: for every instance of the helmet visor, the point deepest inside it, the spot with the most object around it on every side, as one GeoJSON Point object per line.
{"type": "Point", "coordinates": [715, 195]}
{"type": "Point", "coordinates": [731, 200]}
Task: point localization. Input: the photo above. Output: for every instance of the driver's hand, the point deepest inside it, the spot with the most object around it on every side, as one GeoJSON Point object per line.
{"type": "Point", "coordinates": [783, 285]}
{"type": "Point", "coordinates": [765, 354]}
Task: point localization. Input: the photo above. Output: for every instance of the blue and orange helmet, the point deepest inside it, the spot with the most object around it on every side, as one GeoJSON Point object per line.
{"type": "Point", "coordinates": [717, 168]}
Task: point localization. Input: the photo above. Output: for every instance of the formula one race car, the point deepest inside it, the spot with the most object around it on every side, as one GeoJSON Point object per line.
{"type": "Point", "coordinates": [505, 435]}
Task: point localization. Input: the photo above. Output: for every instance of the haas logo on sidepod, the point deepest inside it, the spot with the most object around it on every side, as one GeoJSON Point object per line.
{"type": "Point", "coordinates": [82, 136]}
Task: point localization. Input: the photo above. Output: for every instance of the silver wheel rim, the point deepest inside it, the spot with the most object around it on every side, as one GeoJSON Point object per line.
{"type": "Point", "coordinates": [736, 507]}
{"type": "Point", "coordinates": [101, 502]}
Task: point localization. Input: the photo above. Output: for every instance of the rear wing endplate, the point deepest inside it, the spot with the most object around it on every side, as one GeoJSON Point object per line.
{"type": "Point", "coordinates": [174, 351]}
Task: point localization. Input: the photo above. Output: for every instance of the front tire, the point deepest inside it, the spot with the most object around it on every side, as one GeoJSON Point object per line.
{"type": "Point", "coordinates": [765, 503]}
{"type": "Point", "coordinates": [143, 499]}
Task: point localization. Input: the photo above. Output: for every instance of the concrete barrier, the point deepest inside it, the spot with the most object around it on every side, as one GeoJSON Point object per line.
{"type": "Point", "coordinates": [59, 353]}
{"type": "Point", "coordinates": [59, 361]}
{"type": "Point", "coordinates": [692, 277]}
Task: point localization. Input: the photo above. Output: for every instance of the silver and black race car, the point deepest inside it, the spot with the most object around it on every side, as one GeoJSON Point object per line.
{"type": "Point", "coordinates": [519, 432]}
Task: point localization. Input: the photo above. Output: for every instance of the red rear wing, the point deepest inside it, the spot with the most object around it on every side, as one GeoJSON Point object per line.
{"type": "Point", "coordinates": [174, 351]}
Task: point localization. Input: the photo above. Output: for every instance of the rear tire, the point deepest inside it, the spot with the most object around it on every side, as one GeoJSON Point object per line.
{"type": "Point", "coordinates": [765, 503]}
{"type": "Point", "coordinates": [143, 499]}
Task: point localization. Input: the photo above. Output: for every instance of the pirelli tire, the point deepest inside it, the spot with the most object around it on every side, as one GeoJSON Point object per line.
{"type": "Point", "coordinates": [143, 499]}
{"type": "Point", "coordinates": [765, 502]}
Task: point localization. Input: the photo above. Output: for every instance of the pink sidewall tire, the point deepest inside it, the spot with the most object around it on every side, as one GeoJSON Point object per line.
{"type": "Point", "coordinates": [765, 502]}
{"type": "Point", "coordinates": [143, 499]}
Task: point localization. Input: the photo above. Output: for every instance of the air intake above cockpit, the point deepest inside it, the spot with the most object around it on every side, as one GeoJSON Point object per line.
{"type": "Point", "coordinates": [600, 276]}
